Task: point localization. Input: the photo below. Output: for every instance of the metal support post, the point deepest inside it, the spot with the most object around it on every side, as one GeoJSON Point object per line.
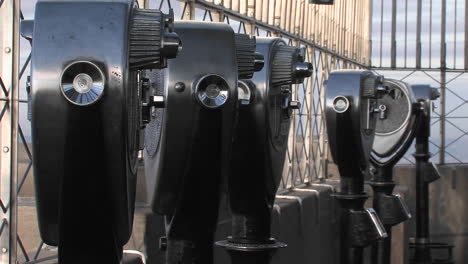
{"type": "Point", "coordinates": [9, 68]}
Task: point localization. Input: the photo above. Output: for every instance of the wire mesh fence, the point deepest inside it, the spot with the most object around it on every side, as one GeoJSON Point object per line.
{"type": "Point", "coordinates": [332, 40]}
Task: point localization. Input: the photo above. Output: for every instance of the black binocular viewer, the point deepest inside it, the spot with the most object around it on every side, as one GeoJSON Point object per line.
{"type": "Point", "coordinates": [208, 111]}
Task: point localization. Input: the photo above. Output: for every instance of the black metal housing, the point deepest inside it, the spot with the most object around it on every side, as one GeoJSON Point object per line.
{"type": "Point", "coordinates": [85, 108]}
{"type": "Point", "coordinates": [259, 149]}
{"type": "Point", "coordinates": [426, 172]}
{"type": "Point", "coordinates": [350, 105]}
{"type": "Point", "coordinates": [185, 169]}
{"type": "Point", "coordinates": [394, 135]}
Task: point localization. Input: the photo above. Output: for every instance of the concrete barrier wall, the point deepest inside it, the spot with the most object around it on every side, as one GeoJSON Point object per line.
{"type": "Point", "coordinates": [306, 219]}
{"type": "Point", "coordinates": [448, 206]}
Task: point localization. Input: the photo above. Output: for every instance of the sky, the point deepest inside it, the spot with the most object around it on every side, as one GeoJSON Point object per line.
{"type": "Point", "coordinates": [430, 49]}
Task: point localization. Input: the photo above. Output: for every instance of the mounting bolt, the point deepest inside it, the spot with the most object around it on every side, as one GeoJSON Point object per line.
{"type": "Point", "coordinates": [4, 250]}
{"type": "Point", "coordinates": [158, 101]}
{"type": "Point", "coordinates": [163, 243]}
{"type": "Point", "coordinates": [434, 94]}
{"type": "Point", "coordinates": [179, 87]}
{"type": "Point", "coordinates": [294, 104]}
{"type": "Point", "coordinates": [7, 50]}
{"type": "Point", "coordinates": [382, 111]}
{"type": "Point", "coordinates": [6, 149]}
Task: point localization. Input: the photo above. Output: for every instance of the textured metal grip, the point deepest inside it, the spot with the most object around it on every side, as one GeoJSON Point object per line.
{"type": "Point", "coordinates": [151, 39]}
{"type": "Point", "coordinates": [369, 86]}
{"type": "Point", "coordinates": [288, 66]}
{"type": "Point", "coordinates": [145, 38]}
{"type": "Point", "coordinates": [245, 55]}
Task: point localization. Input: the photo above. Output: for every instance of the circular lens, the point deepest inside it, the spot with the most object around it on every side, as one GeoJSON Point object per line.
{"type": "Point", "coordinates": [212, 91]}
{"type": "Point", "coordinates": [82, 83]}
{"type": "Point", "coordinates": [397, 108]}
{"type": "Point", "coordinates": [340, 104]}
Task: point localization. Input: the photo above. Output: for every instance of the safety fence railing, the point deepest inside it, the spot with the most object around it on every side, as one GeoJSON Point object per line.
{"type": "Point", "coordinates": [335, 37]}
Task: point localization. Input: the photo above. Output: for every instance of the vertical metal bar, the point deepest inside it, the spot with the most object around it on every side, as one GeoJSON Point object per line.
{"type": "Point", "coordinates": [251, 13]}
{"type": "Point", "coordinates": [362, 31]}
{"type": "Point", "coordinates": [418, 34]}
{"type": "Point", "coordinates": [334, 29]}
{"type": "Point", "coordinates": [443, 67]}
{"type": "Point", "coordinates": [356, 30]}
{"type": "Point", "coordinates": [343, 26]}
{"type": "Point", "coordinates": [305, 21]}
{"type": "Point", "coordinates": [348, 28]}
{"type": "Point", "coordinates": [352, 29]}
{"type": "Point", "coordinates": [455, 36]}
{"type": "Point", "coordinates": [394, 18]}
{"type": "Point", "coordinates": [304, 14]}
{"type": "Point", "coordinates": [243, 7]}
{"type": "Point", "coordinates": [430, 34]}
{"type": "Point", "coordinates": [287, 17]}
{"type": "Point", "coordinates": [227, 4]}
{"type": "Point", "coordinates": [276, 11]}
{"type": "Point", "coordinates": [317, 24]}
{"type": "Point", "coordinates": [294, 141]}
{"type": "Point", "coordinates": [339, 28]}
{"type": "Point", "coordinates": [406, 32]}
{"type": "Point", "coordinates": [466, 36]}
{"type": "Point", "coordinates": [367, 33]}
{"type": "Point", "coordinates": [362, 13]}
{"type": "Point", "coordinates": [381, 30]}
{"type": "Point", "coordinates": [9, 69]}
{"type": "Point", "coordinates": [322, 163]}
{"type": "Point", "coordinates": [313, 31]}
{"type": "Point", "coordinates": [322, 25]}
{"type": "Point", "coordinates": [264, 8]}
{"type": "Point", "coordinates": [143, 3]}
{"type": "Point", "coordinates": [325, 26]}
{"type": "Point", "coordinates": [442, 99]}
{"type": "Point", "coordinates": [282, 17]}
{"type": "Point", "coordinates": [271, 11]}
{"type": "Point", "coordinates": [298, 7]}
{"type": "Point", "coordinates": [258, 9]}
{"type": "Point", "coordinates": [218, 2]}
{"type": "Point", "coordinates": [235, 5]}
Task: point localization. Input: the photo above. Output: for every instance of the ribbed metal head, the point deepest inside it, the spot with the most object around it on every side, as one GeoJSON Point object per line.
{"type": "Point", "coordinates": [369, 86]}
{"type": "Point", "coordinates": [282, 66]}
{"type": "Point", "coordinates": [248, 61]}
{"type": "Point", "coordinates": [151, 39]}
{"type": "Point", "coordinates": [288, 66]}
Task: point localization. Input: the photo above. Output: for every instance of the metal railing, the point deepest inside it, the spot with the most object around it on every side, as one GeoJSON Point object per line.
{"type": "Point", "coordinates": [335, 37]}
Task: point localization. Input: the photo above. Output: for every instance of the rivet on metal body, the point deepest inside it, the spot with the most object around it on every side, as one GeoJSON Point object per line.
{"type": "Point", "coordinates": [180, 87]}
